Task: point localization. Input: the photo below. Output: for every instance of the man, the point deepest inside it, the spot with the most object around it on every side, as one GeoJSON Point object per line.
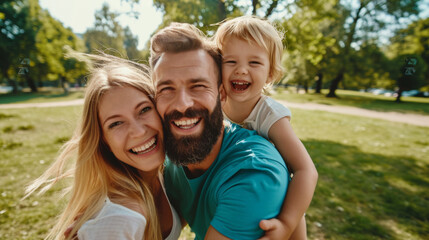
{"type": "Point", "coordinates": [221, 178]}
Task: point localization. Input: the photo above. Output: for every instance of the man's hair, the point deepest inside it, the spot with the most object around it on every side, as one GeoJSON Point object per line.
{"type": "Point", "coordinates": [258, 31]}
{"type": "Point", "coordinates": [183, 37]}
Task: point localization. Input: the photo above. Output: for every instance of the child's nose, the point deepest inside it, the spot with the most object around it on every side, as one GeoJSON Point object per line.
{"type": "Point", "coordinates": [241, 70]}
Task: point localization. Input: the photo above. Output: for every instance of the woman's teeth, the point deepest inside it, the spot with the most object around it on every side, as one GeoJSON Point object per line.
{"type": "Point", "coordinates": [145, 147]}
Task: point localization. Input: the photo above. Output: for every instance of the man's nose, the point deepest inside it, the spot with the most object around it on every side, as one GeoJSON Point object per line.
{"type": "Point", "coordinates": [183, 101]}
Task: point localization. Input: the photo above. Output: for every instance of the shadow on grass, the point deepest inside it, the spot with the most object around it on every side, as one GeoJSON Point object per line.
{"type": "Point", "coordinates": [367, 196]}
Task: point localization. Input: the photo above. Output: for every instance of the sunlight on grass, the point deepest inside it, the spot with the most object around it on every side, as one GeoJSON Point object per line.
{"type": "Point", "coordinates": [399, 230]}
{"type": "Point", "coordinates": [373, 174]}
{"type": "Point", "coordinates": [402, 184]}
{"type": "Point", "coordinates": [364, 100]}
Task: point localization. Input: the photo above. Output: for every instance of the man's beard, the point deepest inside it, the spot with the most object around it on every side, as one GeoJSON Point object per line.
{"type": "Point", "coordinates": [186, 150]}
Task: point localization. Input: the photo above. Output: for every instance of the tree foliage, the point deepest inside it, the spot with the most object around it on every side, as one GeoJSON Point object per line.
{"type": "Point", "coordinates": [109, 36]}
{"type": "Point", "coordinates": [364, 21]}
{"type": "Point", "coordinates": [34, 41]}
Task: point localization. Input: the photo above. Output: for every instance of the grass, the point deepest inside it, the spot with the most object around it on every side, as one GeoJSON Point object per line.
{"type": "Point", "coordinates": [373, 174]}
{"type": "Point", "coordinates": [416, 105]}
{"type": "Point", "coordinates": [44, 95]}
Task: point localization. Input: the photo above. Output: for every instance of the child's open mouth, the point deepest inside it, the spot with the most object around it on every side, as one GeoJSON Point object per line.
{"type": "Point", "coordinates": [240, 85]}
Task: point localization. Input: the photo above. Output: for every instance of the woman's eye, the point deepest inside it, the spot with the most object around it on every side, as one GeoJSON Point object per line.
{"type": "Point", "coordinates": [114, 124]}
{"type": "Point", "coordinates": [145, 109]}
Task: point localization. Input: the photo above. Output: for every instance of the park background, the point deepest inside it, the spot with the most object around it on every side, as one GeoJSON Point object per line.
{"type": "Point", "coordinates": [370, 54]}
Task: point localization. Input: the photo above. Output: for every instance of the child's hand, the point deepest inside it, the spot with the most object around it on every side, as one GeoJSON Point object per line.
{"type": "Point", "coordinates": [274, 230]}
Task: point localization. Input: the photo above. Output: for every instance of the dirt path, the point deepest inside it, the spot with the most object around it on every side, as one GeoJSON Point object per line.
{"type": "Point", "coordinates": [414, 119]}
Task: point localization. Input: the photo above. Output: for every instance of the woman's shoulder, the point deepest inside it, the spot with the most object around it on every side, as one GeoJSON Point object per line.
{"type": "Point", "coordinates": [113, 221]}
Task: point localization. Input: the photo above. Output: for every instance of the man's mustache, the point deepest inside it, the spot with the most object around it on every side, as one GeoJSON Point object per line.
{"type": "Point", "coordinates": [189, 113]}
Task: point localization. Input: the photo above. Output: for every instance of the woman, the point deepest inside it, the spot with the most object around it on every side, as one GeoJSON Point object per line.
{"type": "Point", "coordinates": [117, 191]}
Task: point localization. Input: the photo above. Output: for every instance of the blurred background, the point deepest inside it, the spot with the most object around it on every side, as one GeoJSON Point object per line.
{"type": "Point", "coordinates": [354, 56]}
{"type": "Point", "coordinates": [361, 45]}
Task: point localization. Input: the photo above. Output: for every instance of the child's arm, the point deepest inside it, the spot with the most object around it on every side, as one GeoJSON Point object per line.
{"type": "Point", "coordinates": [302, 185]}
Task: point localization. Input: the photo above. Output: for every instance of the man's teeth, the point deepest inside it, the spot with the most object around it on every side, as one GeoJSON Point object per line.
{"type": "Point", "coordinates": [186, 124]}
{"type": "Point", "coordinates": [145, 147]}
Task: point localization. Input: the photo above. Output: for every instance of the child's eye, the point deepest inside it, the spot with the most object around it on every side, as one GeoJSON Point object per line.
{"type": "Point", "coordinates": [254, 63]}
{"type": "Point", "coordinates": [114, 124]}
{"type": "Point", "coordinates": [229, 62]}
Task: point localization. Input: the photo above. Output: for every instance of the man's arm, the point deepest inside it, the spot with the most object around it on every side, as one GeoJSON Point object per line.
{"type": "Point", "coordinates": [254, 192]}
{"type": "Point", "coordinates": [213, 234]}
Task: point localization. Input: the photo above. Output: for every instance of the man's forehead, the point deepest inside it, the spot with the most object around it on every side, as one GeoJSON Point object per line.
{"type": "Point", "coordinates": [173, 65]}
{"type": "Point", "coordinates": [182, 59]}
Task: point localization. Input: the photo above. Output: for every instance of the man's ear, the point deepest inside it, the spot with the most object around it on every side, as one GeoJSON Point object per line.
{"type": "Point", "coordinates": [222, 94]}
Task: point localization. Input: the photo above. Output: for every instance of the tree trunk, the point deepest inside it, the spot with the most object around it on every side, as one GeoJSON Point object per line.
{"type": "Point", "coordinates": [31, 83]}
{"type": "Point", "coordinates": [350, 36]}
{"type": "Point", "coordinates": [254, 6]}
{"type": "Point", "coordinates": [334, 84]}
{"type": "Point", "coordinates": [221, 10]}
{"type": "Point", "coordinates": [64, 85]}
{"type": "Point", "coordinates": [270, 10]}
{"type": "Point", "coordinates": [319, 83]}
{"type": "Point", "coordinates": [398, 98]}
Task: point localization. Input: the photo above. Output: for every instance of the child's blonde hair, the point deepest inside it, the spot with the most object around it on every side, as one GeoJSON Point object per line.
{"type": "Point", "coordinates": [255, 30]}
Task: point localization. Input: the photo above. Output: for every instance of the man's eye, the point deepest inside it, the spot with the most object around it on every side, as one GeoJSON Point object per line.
{"type": "Point", "coordinates": [198, 86]}
{"type": "Point", "coordinates": [164, 89]}
{"type": "Point", "coordinates": [114, 124]}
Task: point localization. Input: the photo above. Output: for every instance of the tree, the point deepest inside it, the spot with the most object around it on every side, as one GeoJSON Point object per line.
{"type": "Point", "coordinates": [107, 34]}
{"type": "Point", "coordinates": [16, 38]}
{"type": "Point", "coordinates": [130, 43]}
{"type": "Point", "coordinates": [368, 68]}
{"type": "Point", "coordinates": [309, 42]}
{"type": "Point", "coordinates": [409, 71]}
{"type": "Point", "coordinates": [366, 17]}
{"type": "Point", "coordinates": [205, 13]}
{"type": "Point", "coordinates": [34, 41]}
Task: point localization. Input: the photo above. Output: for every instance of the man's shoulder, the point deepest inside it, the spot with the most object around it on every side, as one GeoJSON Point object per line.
{"type": "Point", "coordinates": [238, 137]}
{"type": "Point", "coordinates": [242, 146]}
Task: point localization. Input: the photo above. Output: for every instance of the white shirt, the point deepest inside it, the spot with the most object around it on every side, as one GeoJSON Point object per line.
{"type": "Point", "coordinates": [117, 222]}
{"type": "Point", "coordinates": [265, 113]}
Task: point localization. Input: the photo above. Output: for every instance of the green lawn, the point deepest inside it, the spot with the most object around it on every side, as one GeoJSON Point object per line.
{"type": "Point", "coordinates": [364, 100]}
{"type": "Point", "coordinates": [373, 174]}
{"type": "Point", "coordinates": [44, 95]}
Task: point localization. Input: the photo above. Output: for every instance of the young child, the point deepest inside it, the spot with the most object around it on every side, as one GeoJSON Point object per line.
{"type": "Point", "coordinates": [252, 48]}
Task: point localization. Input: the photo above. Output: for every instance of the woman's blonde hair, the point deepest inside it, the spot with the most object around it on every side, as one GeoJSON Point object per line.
{"type": "Point", "coordinates": [255, 30]}
{"type": "Point", "coordinates": [98, 174]}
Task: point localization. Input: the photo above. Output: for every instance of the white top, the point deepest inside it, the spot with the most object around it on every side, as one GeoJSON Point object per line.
{"type": "Point", "coordinates": [117, 222]}
{"type": "Point", "coordinates": [265, 113]}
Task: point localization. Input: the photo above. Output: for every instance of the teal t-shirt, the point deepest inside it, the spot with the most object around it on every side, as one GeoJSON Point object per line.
{"type": "Point", "coordinates": [245, 184]}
